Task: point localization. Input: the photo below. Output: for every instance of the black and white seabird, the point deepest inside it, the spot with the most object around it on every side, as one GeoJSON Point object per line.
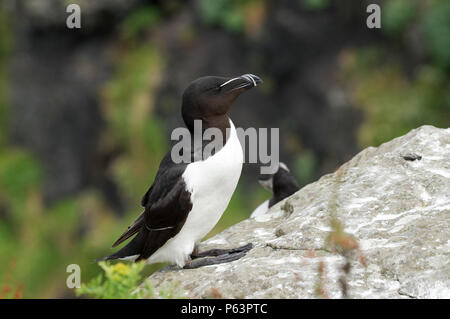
{"type": "Point", "coordinates": [186, 200]}
{"type": "Point", "coordinates": [282, 184]}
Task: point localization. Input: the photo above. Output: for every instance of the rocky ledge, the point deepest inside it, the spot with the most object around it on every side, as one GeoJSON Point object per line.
{"type": "Point", "coordinates": [376, 228]}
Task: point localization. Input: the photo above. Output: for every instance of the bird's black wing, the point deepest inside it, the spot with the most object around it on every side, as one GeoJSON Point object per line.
{"type": "Point", "coordinates": [167, 204]}
{"type": "Point", "coordinates": [165, 218]}
{"type": "Point", "coordinates": [167, 176]}
{"type": "Point", "coordinates": [131, 230]}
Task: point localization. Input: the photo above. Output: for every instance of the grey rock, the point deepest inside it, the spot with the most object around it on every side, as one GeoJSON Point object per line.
{"type": "Point", "coordinates": [398, 209]}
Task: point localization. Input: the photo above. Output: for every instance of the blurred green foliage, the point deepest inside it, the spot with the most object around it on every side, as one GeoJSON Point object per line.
{"type": "Point", "coordinates": [315, 5]}
{"type": "Point", "coordinates": [394, 97]}
{"type": "Point", "coordinates": [123, 281]}
{"type": "Point", "coordinates": [429, 17]}
{"type": "Point", "coordinates": [397, 15]}
{"type": "Point", "coordinates": [19, 174]}
{"type": "Point", "coordinates": [393, 103]}
{"type": "Point", "coordinates": [41, 241]}
{"type": "Point", "coordinates": [238, 16]}
{"type": "Point", "coordinates": [224, 13]}
{"type": "Point", "coordinates": [139, 21]}
{"type": "Point", "coordinates": [436, 27]}
{"type": "Point", "coordinates": [305, 166]}
{"type": "Point", "coordinates": [119, 282]}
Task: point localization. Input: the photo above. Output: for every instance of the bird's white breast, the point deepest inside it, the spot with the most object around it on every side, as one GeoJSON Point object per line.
{"type": "Point", "coordinates": [211, 183]}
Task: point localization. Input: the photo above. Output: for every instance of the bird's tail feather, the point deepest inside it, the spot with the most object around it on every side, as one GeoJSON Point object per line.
{"type": "Point", "coordinates": [133, 229]}
{"type": "Point", "coordinates": [133, 248]}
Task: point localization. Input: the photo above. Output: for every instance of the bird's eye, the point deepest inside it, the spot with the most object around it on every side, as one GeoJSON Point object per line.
{"type": "Point", "coordinates": [215, 88]}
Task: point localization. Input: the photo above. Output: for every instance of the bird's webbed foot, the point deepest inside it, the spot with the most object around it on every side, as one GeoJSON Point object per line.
{"type": "Point", "coordinates": [217, 256]}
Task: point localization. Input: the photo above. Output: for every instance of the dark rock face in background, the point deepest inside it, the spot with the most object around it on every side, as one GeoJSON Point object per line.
{"type": "Point", "coordinates": [56, 75]}
{"type": "Point", "coordinates": [292, 51]}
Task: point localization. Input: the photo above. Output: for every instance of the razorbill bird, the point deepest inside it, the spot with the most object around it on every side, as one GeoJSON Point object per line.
{"type": "Point", "coordinates": [282, 184]}
{"type": "Point", "coordinates": [186, 200]}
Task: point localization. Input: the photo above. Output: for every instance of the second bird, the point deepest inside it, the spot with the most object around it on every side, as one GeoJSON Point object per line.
{"type": "Point", "coordinates": [282, 184]}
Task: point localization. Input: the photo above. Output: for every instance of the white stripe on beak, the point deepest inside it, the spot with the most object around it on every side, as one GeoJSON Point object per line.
{"type": "Point", "coordinates": [249, 77]}
{"type": "Point", "coordinates": [233, 79]}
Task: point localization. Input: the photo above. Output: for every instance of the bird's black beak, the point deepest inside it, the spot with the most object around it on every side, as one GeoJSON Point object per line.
{"type": "Point", "coordinates": [245, 81]}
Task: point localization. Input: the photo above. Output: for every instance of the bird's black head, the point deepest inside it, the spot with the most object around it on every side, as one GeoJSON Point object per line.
{"type": "Point", "coordinates": [282, 179]}
{"type": "Point", "coordinates": [282, 184]}
{"type": "Point", "coordinates": [209, 98]}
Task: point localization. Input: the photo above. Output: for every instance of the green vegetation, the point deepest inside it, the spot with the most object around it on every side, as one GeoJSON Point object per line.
{"type": "Point", "coordinates": [393, 103]}
{"type": "Point", "coordinates": [397, 15]}
{"type": "Point", "coordinates": [316, 5]}
{"type": "Point", "coordinates": [393, 97]}
{"type": "Point", "coordinates": [14, 188]}
{"type": "Point", "coordinates": [139, 21]}
{"type": "Point", "coordinates": [233, 15]}
{"type": "Point", "coordinates": [223, 13]}
{"type": "Point", "coordinates": [436, 27]}
{"type": "Point", "coordinates": [305, 166]}
{"type": "Point", "coordinates": [122, 281]}
{"type": "Point", "coordinates": [40, 241]}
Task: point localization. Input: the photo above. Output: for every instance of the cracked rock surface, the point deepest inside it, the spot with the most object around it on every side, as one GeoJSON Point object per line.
{"type": "Point", "coordinates": [394, 199]}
